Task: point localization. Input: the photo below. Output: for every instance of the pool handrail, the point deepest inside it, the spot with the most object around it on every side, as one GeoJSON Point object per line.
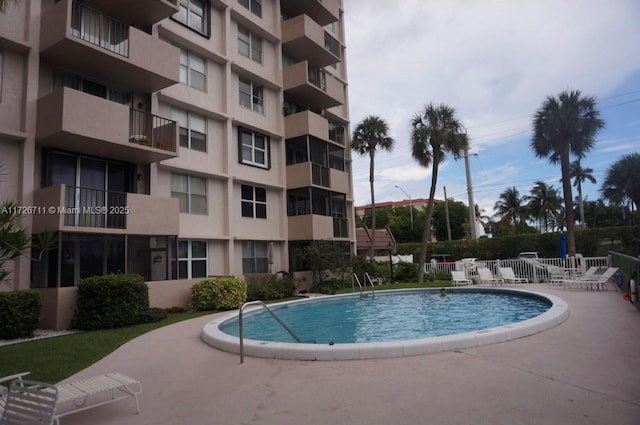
{"type": "Point", "coordinates": [366, 275]}
{"type": "Point", "coordinates": [241, 327]}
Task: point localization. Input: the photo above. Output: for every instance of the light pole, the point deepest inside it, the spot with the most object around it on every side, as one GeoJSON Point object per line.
{"type": "Point", "coordinates": [410, 204]}
{"type": "Point", "coordinates": [472, 205]}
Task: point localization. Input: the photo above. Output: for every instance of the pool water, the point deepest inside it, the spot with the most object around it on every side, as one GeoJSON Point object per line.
{"type": "Point", "coordinates": [389, 316]}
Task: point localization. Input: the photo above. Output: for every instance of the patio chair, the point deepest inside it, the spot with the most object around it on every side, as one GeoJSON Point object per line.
{"type": "Point", "coordinates": [458, 278]}
{"type": "Point", "coordinates": [559, 276]}
{"type": "Point", "coordinates": [597, 280]}
{"type": "Point", "coordinates": [486, 277]}
{"type": "Point", "coordinates": [29, 403]}
{"type": "Point", "coordinates": [509, 276]}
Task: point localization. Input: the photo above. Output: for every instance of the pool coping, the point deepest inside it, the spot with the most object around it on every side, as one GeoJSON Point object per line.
{"type": "Point", "coordinates": [555, 315]}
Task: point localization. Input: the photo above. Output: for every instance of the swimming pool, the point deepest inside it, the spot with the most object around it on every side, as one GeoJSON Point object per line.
{"type": "Point", "coordinates": [394, 323]}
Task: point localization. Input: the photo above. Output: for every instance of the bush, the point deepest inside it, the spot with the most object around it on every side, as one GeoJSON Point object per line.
{"type": "Point", "coordinates": [19, 313]}
{"type": "Point", "coordinates": [405, 272]}
{"type": "Point", "coordinates": [111, 301]}
{"type": "Point", "coordinates": [269, 287]}
{"type": "Point", "coordinates": [331, 286]}
{"type": "Point", "coordinates": [155, 315]}
{"type": "Point", "coordinates": [224, 293]}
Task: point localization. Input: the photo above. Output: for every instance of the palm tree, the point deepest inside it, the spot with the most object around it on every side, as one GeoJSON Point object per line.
{"type": "Point", "coordinates": [623, 180]}
{"type": "Point", "coordinates": [510, 208]}
{"type": "Point", "coordinates": [435, 132]}
{"type": "Point", "coordinates": [579, 176]}
{"type": "Point", "coordinates": [370, 135]}
{"type": "Point", "coordinates": [564, 126]}
{"type": "Point", "coordinates": [544, 203]}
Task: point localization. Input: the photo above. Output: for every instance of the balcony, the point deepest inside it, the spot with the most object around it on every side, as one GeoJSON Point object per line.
{"type": "Point", "coordinates": [306, 123]}
{"type": "Point", "coordinates": [303, 38]}
{"type": "Point", "coordinates": [310, 227]}
{"type": "Point", "coordinates": [70, 208]}
{"type": "Point", "coordinates": [323, 12]}
{"type": "Point", "coordinates": [72, 120]}
{"type": "Point", "coordinates": [312, 87]}
{"type": "Point", "coordinates": [143, 13]}
{"type": "Point", "coordinates": [86, 41]}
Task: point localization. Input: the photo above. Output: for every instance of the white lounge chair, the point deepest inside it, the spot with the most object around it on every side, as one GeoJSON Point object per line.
{"type": "Point", "coordinates": [509, 276]}
{"type": "Point", "coordinates": [486, 277]}
{"type": "Point", "coordinates": [458, 278]}
{"type": "Point", "coordinates": [76, 396]}
{"type": "Point", "coordinates": [29, 403]}
{"type": "Point", "coordinates": [597, 280]}
{"type": "Point", "coordinates": [559, 276]}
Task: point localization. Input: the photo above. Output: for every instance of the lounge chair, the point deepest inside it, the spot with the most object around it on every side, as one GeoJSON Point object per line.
{"type": "Point", "coordinates": [29, 403]}
{"type": "Point", "coordinates": [486, 277]}
{"type": "Point", "coordinates": [589, 281]}
{"type": "Point", "coordinates": [76, 396]}
{"type": "Point", "coordinates": [509, 276]}
{"type": "Point", "coordinates": [559, 276]}
{"type": "Point", "coordinates": [458, 278]}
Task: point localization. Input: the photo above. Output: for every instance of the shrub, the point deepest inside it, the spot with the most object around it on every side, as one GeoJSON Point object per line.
{"type": "Point", "coordinates": [269, 287]}
{"type": "Point", "coordinates": [19, 313]}
{"type": "Point", "coordinates": [111, 301]}
{"type": "Point", "coordinates": [331, 286]}
{"type": "Point", "coordinates": [405, 272]}
{"type": "Point", "coordinates": [222, 293]}
{"type": "Point", "coordinates": [155, 315]}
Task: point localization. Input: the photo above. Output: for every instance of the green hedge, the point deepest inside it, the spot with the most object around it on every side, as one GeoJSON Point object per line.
{"type": "Point", "coordinates": [111, 301]}
{"type": "Point", "coordinates": [225, 293]}
{"type": "Point", "coordinates": [269, 287]}
{"type": "Point", "coordinates": [19, 313]}
{"type": "Point", "coordinates": [592, 242]}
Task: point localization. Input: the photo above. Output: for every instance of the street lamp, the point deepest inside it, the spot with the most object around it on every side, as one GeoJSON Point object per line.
{"type": "Point", "coordinates": [410, 204]}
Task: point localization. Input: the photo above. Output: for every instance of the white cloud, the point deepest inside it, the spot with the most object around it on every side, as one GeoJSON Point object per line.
{"type": "Point", "coordinates": [494, 61]}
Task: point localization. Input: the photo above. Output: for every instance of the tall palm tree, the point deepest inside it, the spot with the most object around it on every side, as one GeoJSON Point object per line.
{"type": "Point", "coordinates": [579, 176]}
{"type": "Point", "coordinates": [563, 126]}
{"type": "Point", "coordinates": [510, 208]}
{"type": "Point", "coordinates": [435, 132]}
{"type": "Point", "coordinates": [622, 180]}
{"type": "Point", "coordinates": [371, 134]}
{"type": "Point", "coordinates": [544, 203]}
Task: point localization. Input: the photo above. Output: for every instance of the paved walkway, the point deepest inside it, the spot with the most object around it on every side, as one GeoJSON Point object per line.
{"type": "Point", "coordinates": [584, 371]}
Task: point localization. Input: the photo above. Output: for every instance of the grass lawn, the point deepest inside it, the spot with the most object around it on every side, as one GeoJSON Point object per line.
{"type": "Point", "coordinates": [54, 359]}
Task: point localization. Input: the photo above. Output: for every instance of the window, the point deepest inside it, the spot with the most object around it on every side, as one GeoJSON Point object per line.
{"type": "Point", "coordinates": [255, 257]}
{"type": "Point", "coordinates": [99, 29]}
{"type": "Point", "coordinates": [254, 202]}
{"type": "Point", "coordinates": [249, 44]}
{"type": "Point", "coordinates": [251, 95]}
{"type": "Point", "coordinates": [253, 148]}
{"type": "Point", "coordinates": [78, 82]}
{"type": "Point", "coordinates": [194, 14]}
{"type": "Point", "coordinates": [255, 6]}
{"type": "Point", "coordinates": [193, 129]}
{"type": "Point", "coordinates": [192, 259]}
{"type": "Point", "coordinates": [191, 191]}
{"type": "Point", "coordinates": [192, 70]}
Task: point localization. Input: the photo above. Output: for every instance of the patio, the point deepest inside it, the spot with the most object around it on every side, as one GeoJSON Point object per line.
{"type": "Point", "coordinates": [584, 371]}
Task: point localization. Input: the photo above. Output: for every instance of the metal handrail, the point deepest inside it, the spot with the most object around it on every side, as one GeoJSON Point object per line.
{"type": "Point", "coordinates": [353, 287]}
{"type": "Point", "coordinates": [241, 328]}
{"type": "Point", "coordinates": [373, 289]}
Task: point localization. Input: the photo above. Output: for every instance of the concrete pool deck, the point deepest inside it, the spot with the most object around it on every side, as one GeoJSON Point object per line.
{"type": "Point", "coordinates": [583, 371]}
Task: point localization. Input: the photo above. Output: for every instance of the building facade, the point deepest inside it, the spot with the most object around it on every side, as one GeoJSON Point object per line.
{"type": "Point", "coordinates": [175, 139]}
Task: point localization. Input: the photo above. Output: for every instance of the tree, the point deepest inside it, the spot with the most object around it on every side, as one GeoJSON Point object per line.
{"type": "Point", "coordinates": [564, 126]}
{"type": "Point", "coordinates": [622, 180]}
{"type": "Point", "coordinates": [14, 238]}
{"type": "Point", "coordinates": [579, 176]}
{"type": "Point", "coordinates": [325, 260]}
{"type": "Point", "coordinates": [545, 204]}
{"type": "Point", "coordinates": [435, 132]}
{"type": "Point", "coordinates": [458, 220]}
{"type": "Point", "coordinates": [510, 208]}
{"type": "Point", "coordinates": [370, 135]}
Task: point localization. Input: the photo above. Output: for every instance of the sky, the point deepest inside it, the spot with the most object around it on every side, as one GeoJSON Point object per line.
{"type": "Point", "coordinates": [494, 62]}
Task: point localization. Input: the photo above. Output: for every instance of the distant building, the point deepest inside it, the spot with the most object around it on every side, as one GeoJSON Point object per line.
{"type": "Point", "coordinates": [385, 242]}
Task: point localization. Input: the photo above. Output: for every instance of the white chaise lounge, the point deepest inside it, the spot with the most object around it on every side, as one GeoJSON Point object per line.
{"type": "Point", "coordinates": [76, 396]}
{"type": "Point", "coordinates": [458, 278]}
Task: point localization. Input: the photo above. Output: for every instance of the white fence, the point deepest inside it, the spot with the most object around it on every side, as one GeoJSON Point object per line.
{"type": "Point", "coordinates": [534, 270]}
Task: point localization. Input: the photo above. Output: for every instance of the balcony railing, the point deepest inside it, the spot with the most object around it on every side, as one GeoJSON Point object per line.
{"type": "Point", "coordinates": [93, 26]}
{"type": "Point", "coordinates": [331, 44]}
{"type": "Point", "coordinates": [151, 130]}
{"type": "Point", "coordinates": [85, 207]}
{"type": "Point", "coordinates": [318, 78]}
